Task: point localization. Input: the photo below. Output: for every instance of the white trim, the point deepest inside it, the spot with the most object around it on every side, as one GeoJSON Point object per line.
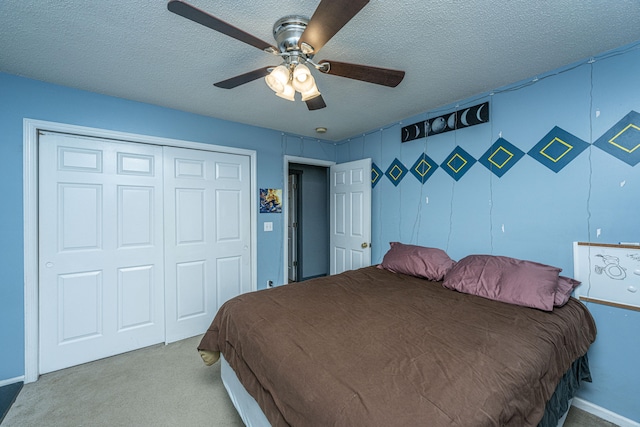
{"type": "Point", "coordinates": [30, 214]}
{"type": "Point", "coordinates": [12, 381]}
{"type": "Point", "coordinates": [285, 198]}
{"type": "Point", "coordinates": [30, 201]}
{"type": "Point", "coordinates": [603, 413]}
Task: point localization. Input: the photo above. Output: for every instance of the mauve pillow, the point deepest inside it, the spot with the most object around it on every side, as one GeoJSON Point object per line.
{"type": "Point", "coordinates": [419, 261]}
{"type": "Point", "coordinates": [505, 279]}
{"type": "Point", "coordinates": [566, 285]}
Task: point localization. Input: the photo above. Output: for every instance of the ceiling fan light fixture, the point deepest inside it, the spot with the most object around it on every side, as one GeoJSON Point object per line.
{"type": "Point", "coordinates": [287, 93]}
{"type": "Point", "coordinates": [278, 79]}
{"type": "Point", "coordinates": [303, 81]}
{"type": "Point", "coordinates": [301, 73]}
{"type": "Point", "coordinates": [311, 93]}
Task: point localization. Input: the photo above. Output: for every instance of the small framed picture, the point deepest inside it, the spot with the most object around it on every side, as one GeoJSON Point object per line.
{"type": "Point", "coordinates": [270, 200]}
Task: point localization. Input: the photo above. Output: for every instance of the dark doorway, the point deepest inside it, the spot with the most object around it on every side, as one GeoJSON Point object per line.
{"type": "Point", "coordinates": [308, 227]}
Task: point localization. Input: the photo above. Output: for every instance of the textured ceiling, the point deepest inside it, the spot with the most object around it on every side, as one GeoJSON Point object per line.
{"type": "Point", "coordinates": [450, 50]}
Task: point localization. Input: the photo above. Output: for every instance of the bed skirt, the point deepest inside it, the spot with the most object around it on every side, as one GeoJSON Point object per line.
{"type": "Point", "coordinates": [558, 406]}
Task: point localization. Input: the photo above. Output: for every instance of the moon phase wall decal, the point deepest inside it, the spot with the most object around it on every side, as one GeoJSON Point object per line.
{"type": "Point", "coordinates": [447, 122]}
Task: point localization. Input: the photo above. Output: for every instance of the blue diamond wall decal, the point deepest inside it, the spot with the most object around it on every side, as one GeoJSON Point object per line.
{"type": "Point", "coordinates": [501, 156]}
{"type": "Point", "coordinates": [376, 174]}
{"type": "Point", "coordinates": [457, 163]}
{"type": "Point", "coordinates": [623, 139]}
{"type": "Point", "coordinates": [396, 172]}
{"type": "Point", "coordinates": [557, 149]}
{"type": "Point", "coordinates": [423, 168]}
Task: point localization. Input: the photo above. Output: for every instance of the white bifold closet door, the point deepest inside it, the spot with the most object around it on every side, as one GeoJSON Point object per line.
{"type": "Point", "coordinates": [138, 244]}
{"type": "Point", "coordinates": [101, 249]}
{"type": "Point", "coordinates": [207, 217]}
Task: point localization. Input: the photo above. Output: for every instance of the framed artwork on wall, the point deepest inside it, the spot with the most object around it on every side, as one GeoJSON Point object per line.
{"type": "Point", "coordinates": [270, 200]}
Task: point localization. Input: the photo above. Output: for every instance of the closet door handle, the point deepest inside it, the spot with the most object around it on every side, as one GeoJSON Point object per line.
{"type": "Point", "coordinates": [364, 245]}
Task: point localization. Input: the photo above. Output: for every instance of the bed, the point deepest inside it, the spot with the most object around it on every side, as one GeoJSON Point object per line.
{"type": "Point", "coordinates": [379, 346]}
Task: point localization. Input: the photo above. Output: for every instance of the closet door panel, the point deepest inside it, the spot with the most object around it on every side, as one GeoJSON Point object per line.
{"type": "Point", "coordinates": [101, 247]}
{"type": "Point", "coordinates": [207, 226]}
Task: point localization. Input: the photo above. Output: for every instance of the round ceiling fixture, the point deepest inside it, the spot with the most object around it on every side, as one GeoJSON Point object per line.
{"type": "Point", "coordinates": [321, 130]}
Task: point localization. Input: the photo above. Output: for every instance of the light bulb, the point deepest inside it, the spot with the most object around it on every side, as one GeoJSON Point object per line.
{"type": "Point", "coordinates": [301, 73]}
{"type": "Point", "coordinates": [303, 81]}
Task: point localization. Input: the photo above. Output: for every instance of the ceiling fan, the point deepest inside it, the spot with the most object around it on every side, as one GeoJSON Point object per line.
{"type": "Point", "coordinates": [298, 40]}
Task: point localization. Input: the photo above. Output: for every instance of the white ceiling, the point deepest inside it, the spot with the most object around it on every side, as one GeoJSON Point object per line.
{"type": "Point", "coordinates": [450, 50]}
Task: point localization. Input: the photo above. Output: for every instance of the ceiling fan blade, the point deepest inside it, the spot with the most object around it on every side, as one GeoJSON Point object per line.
{"type": "Point", "coordinates": [243, 78]}
{"type": "Point", "coordinates": [365, 73]}
{"type": "Point", "coordinates": [316, 103]}
{"type": "Point", "coordinates": [328, 19]}
{"type": "Point", "coordinates": [201, 17]}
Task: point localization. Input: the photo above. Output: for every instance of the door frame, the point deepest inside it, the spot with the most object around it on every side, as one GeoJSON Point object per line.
{"type": "Point", "coordinates": [30, 214]}
{"type": "Point", "coordinates": [302, 161]}
{"type": "Point", "coordinates": [298, 230]}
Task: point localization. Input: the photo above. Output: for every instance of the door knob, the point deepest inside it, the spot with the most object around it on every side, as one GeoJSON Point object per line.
{"type": "Point", "coordinates": [364, 245]}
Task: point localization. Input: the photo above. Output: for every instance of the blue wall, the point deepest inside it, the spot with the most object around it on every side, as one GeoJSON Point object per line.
{"type": "Point", "coordinates": [542, 211]}
{"type": "Point", "coordinates": [23, 98]}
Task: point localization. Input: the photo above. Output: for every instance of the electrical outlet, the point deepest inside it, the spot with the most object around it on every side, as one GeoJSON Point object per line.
{"type": "Point", "coordinates": [269, 283]}
{"type": "Point", "coordinates": [268, 226]}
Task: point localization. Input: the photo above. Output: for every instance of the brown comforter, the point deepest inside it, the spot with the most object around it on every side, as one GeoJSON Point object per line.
{"type": "Point", "coordinates": [374, 348]}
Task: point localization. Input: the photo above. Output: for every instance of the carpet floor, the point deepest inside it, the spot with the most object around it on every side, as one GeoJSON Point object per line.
{"type": "Point", "coordinates": [155, 386]}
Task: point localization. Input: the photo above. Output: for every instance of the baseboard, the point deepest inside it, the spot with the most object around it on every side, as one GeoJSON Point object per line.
{"type": "Point", "coordinates": [12, 381]}
{"type": "Point", "coordinates": [603, 413]}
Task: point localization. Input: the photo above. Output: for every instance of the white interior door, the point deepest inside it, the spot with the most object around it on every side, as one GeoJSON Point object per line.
{"type": "Point", "coordinates": [207, 217]}
{"type": "Point", "coordinates": [350, 223]}
{"type": "Point", "coordinates": [101, 287]}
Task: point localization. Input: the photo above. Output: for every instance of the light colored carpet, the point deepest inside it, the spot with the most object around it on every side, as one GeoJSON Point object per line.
{"type": "Point", "coordinates": [155, 386]}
